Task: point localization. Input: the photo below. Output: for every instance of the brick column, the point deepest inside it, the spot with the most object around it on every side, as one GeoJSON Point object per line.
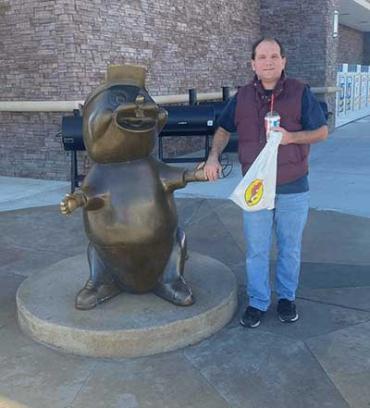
{"type": "Point", "coordinates": [350, 46]}
{"type": "Point", "coordinates": [306, 30]}
{"type": "Point", "coordinates": [366, 59]}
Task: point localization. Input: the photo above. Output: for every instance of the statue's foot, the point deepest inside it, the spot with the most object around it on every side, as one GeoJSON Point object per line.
{"type": "Point", "coordinates": [90, 295]}
{"type": "Point", "coordinates": [177, 292]}
{"type": "Point", "coordinates": [107, 290]}
{"type": "Point", "coordinates": [87, 298]}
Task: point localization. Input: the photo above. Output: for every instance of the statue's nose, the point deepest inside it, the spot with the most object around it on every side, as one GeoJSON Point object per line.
{"type": "Point", "coordinates": [139, 111]}
{"type": "Point", "coordinates": [139, 100]}
{"type": "Point", "coordinates": [137, 115]}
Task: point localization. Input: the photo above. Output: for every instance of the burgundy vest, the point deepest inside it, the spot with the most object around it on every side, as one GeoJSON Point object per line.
{"type": "Point", "coordinates": [252, 105]}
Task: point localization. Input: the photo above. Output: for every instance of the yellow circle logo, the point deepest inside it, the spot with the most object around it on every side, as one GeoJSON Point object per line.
{"type": "Point", "coordinates": [254, 193]}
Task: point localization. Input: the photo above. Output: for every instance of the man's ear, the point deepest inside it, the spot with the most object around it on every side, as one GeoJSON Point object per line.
{"type": "Point", "coordinates": [253, 67]}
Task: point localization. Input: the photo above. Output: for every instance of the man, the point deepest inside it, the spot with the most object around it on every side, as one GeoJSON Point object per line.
{"type": "Point", "coordinates": [302, 123]}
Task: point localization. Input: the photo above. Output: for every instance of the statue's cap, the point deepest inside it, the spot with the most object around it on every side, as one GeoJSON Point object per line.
{"type": "Point", "coordinates": [129, 74]}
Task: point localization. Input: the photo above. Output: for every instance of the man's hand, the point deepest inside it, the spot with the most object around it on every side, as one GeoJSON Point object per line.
{"type": "Point", "coordinates": [212, 169]}
{"type": "Point", "coordinates": [70, 202]}
{"type": "Point", "coordinates": [287, 136]}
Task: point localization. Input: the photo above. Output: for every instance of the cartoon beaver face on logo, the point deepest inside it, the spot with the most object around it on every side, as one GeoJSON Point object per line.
{"type": "Point", "coordinates": [254, 193]}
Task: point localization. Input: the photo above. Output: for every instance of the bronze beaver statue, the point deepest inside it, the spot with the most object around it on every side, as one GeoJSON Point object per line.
{"type": "Point", "coordinates": [130, 218]}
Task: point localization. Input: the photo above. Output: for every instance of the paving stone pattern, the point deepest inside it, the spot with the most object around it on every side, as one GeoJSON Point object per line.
{"type": "Point", "coordinates": [320, 361]}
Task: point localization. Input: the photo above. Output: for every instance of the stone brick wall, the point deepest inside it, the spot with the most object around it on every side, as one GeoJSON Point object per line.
{"type": "Point", "coordinates": [29, 147]}
{"type": "Point", "coordinates": [54, 50]}
{"type": "Point", "coordinates": [351, 46]}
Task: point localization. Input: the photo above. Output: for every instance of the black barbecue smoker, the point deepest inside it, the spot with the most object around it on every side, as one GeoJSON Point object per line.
{"type": "Point", "coordinates": [194, 119]}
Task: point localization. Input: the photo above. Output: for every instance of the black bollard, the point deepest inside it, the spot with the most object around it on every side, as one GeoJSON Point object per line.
{"type": "Point", "coordinates": [192, 96]}
{"type": "Point", "coordinates": [225, 93]}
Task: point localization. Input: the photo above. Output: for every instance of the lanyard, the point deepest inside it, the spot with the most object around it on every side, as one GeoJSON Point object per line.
{"type": "Point", "coordinates": [272, 102]}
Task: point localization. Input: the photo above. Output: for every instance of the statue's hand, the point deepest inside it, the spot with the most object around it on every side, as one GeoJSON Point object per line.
{"type": "Point", "coordinates": [197, 174]}
{"type": "Point", "coordinates": [70, 202]}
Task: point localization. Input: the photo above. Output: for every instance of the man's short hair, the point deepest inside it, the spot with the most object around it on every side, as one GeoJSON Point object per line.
{"type": "Point", "coordinates": [270, 39]}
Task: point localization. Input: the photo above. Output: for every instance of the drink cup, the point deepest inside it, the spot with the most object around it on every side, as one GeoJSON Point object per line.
{"type": "Point", "coordinates": [272, 119]}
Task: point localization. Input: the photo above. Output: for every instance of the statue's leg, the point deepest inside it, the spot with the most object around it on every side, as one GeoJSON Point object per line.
{"type": "Point", "coordinates": [101, 285]}
{"type": "Point", "coordinates": [172, 285]}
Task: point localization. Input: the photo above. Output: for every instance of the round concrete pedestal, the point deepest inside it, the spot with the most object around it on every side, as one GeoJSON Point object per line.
{"type": "Point", "coordinates": [127, 325]}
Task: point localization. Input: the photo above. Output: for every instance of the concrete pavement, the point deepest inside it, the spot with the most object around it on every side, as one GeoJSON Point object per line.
{"type": "Point", "coordinates": [323, 360]}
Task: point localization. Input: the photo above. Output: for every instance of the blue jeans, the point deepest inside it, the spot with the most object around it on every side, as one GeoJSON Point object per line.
{"type": "Point", "coordinates": [288, 219]}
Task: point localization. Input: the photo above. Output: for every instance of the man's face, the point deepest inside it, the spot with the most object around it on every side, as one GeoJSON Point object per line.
{"type": "Point", "coordinates": [268, 63]}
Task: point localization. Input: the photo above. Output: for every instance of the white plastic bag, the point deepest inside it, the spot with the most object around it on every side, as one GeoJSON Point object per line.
{"type": "Point", "coordinates": [256, 191]}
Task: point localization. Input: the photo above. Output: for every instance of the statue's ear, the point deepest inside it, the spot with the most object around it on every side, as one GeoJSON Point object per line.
{"type": "Point", "coordinates": [162, 119]}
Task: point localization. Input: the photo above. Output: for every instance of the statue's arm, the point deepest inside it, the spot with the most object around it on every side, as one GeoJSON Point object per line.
{"type": "Point", "coordinates": [73, 201]}
{"type": "Point", "coordinates": [79, 199]}
{"type": "Point", "coordinates": [196, 174]}
{"type": "Point", "coordinates": [174, 178]}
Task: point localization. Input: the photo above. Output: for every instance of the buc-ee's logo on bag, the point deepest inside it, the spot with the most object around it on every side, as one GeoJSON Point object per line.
{"type": "Point", "coordinates": [254, 193]}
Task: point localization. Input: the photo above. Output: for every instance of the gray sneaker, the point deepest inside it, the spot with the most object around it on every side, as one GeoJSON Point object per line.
{"type": "Point", "coordinates": [287, 311]}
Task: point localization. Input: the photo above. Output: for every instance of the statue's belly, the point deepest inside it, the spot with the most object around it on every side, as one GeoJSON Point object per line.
{"type": "Point", "coordinates": [134, 228]}
{"type": "Point", "coordinates": [135, 244]}
{"type": "Point", "coordinates": [130, 224]}
{"type": "Point", "coordinates": [136, 210]}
